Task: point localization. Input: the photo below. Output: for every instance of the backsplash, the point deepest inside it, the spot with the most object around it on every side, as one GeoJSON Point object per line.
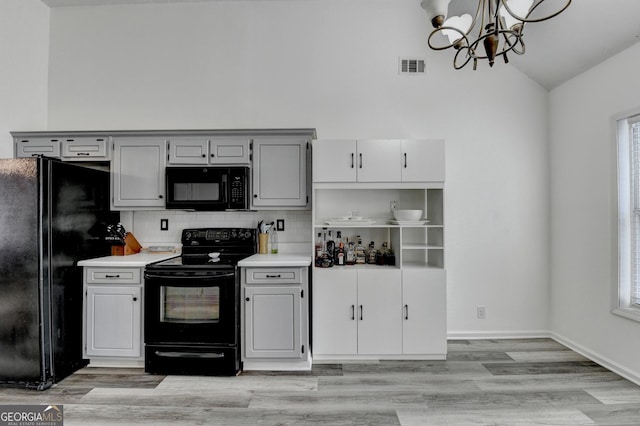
{"type": "Point", "coordinates": [145, 225]}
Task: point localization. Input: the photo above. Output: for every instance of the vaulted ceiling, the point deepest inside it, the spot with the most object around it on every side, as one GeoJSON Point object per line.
{"type": "Point", "coordinates": [587, 33]}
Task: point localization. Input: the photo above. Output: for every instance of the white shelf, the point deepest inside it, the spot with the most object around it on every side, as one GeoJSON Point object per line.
{"type": "Point", "coordinates": [419, 265]}
{"type": "Point", "coordinates": [421, 247]}
{"type": "Point", "coordinates": [361, 266]}
{"type": "Point", "coordinates": [378, 224]}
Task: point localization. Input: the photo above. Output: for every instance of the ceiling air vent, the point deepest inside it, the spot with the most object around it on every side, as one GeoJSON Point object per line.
{"type": "Point", "coordinates": [412, 66]}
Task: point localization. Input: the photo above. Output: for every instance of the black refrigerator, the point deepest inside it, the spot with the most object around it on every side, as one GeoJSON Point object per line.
{"type": "Point", "coordinates": [52, 214]}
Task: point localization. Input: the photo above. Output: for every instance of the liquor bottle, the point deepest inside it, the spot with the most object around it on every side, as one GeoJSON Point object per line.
{"type": "Point", "coordinates": [361, 256]}
{"type": "Point", "coordinates": [382, 255]}
{"type": "Point", "coordinates": [371, 253]}
{"type": "Point", "coordinates": [319, 245]}
{"type": "Point", "coordinates": [351, 254]}
{"type": "Point", "coordinates": [336, 251]}
{"type": "Point", "coordinates": [331, 246]}
{"type": "Point", "coordinates": [340, 254]}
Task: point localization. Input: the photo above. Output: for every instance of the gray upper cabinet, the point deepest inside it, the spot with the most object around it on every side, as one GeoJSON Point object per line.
{"type": "Point", "coordinates": [188, 150]}
{"type": "Point", "coordinates": [85, 148]}
{"type": "Point", "coordinates": [203, 150]}
{"type": "Point", "coordinates": [33, 146]}
{"type": "Point", "coordinates": [280, 167]}
{"type": "Point", "coordinates": [137, 173]}
{"type": "Point", "coordinates": [229, 150]}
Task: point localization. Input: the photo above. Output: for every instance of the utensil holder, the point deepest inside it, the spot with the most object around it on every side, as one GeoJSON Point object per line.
{"type": "Point", "coordinates": [263, 242]}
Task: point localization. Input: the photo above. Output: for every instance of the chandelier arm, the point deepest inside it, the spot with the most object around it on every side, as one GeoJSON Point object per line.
{"type": "Point", "coordinates": [459, 42]}
{"type": "Point", "coordinates": [473, 46]}
{"type": "Point", "coordinates": [468, 58]}
{"type": "Point", "coordinates": [527, 19]}
{"type": "Point", "coordinates": [513, 46]}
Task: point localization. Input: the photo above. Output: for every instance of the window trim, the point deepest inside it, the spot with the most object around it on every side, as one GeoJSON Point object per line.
{"type": "Point", "coordinates": [621, 292]}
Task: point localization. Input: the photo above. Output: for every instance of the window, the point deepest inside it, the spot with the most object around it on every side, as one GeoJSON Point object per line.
{"type": "Point", "coordinates": [628, 294]}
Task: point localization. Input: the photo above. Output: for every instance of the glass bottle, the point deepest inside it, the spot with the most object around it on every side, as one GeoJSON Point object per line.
{"type": "Point", "coordinates": [381, 255]}
{"type": "Point", "coordinates": [319, 245]}
{"type": "Point", "coordinates": [273, 239]}
{"type": "Point", "coordinates": [331, 246]}
{"type": "Point", "coordinates": [371, 253]}
{"type": "Point", "coordinates": [361, 256]}
{"type": "Point", "coordinates": [351, 254]}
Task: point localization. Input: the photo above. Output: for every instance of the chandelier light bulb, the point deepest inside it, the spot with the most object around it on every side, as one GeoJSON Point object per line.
{"type": "Point", "coordinates": [461, 23]}
{"type": "Point", "coordinates": [519, 8]}
{"type": "Point", "coordinates": [436, 11]}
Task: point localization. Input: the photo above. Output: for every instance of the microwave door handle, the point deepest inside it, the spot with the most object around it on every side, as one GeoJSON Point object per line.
{"type": "Point", "coordinates": [225, 190]}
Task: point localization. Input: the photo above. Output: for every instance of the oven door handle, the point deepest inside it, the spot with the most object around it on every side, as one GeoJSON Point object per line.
{"type": "Point", "coordinates": [188, 277]}
{"type": "Point", "coordinates": [204, 355]}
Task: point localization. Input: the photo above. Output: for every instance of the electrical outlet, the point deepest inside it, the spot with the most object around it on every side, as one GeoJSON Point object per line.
{"type": "Point", "coordinates": [482, 312]}
{"type": "Point", "coordinates": [279, 224]}
{"type": "Point", "coordinates": [164, 224]}
{"type": "Point", "coordinates": [393, 205]}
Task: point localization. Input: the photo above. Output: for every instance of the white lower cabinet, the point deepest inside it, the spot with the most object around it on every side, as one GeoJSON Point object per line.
{"type": "Point", "coordinates": [424, 303]}
{"type": "Point", "coordinates": [113, 317]}
{"type": "Point", "coordinates": [380, 312]}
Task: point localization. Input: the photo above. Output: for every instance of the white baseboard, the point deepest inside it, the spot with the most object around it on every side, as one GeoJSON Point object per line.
{"type": "Point", "coordinates": [475, 335]}
{"type": "Point", "coordinates": [632, 376]}
{"type": "Point", "coordinates": [622, 371]}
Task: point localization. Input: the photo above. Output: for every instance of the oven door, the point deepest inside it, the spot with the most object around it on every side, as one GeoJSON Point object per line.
{"type": "Point", "coordinates": [192, 308]}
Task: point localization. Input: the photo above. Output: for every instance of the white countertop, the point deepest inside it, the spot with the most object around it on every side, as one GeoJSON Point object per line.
{"type": "Point", "coordinates": [133, 260]}
{"type": "Point", "coordinates": [269, 260]}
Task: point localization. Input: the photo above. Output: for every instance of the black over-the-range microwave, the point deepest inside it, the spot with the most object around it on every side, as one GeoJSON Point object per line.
{"type": "Point", "coordinates": [211, 188]}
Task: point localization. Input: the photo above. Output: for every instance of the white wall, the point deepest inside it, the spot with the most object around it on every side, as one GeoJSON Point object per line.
{"type": "Point", "coordinates": [24, 46]}
{"type": "Point", "coordinates": [332, 65]}
{"type": "Point", "coordinates": [583, 178]}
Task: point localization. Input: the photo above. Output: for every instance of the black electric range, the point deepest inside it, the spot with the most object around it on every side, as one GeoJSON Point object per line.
{"type": "Point", "coordinates": [192, 304]}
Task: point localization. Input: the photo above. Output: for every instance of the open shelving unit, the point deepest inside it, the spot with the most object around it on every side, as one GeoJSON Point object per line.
{"type": "Point", "coordinates": [413, 245]}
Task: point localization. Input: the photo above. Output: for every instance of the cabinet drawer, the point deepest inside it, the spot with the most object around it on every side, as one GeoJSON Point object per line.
{"type": "Point", "coordinates": [113, 275]}
{"type": "Point", "coordinates": [85, 147]}
{"type": "Point", "coordinates": [273, 275]}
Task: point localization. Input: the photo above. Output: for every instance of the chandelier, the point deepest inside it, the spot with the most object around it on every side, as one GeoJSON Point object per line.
{"type": "Point", "coordinates": [497, 25]}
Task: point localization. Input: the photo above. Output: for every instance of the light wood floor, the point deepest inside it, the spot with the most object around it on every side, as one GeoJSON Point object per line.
{"type": "Point", "coordinates": [483, 382]}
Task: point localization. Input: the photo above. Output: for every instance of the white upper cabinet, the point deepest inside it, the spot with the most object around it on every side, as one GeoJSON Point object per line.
{"type": "Point", "coordinates": [334, 160]}
{"type": "Point", "coordinates": [422, 160]}
{"type": "Point", "coordinates": [137, 174]}
{"type": "Point", "coordinates": [379, 161]}
{"type": "Point", "coordinates": [279, 172]}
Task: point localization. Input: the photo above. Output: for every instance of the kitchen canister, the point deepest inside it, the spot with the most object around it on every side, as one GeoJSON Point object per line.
{"type": "Point", "coordinates": [263, 242]}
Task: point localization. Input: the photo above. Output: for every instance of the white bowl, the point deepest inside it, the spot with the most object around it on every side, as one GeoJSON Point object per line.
{"type": "Point", "coordinates": [407, 214]}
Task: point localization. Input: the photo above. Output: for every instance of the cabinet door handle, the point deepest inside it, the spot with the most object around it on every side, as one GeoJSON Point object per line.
{"type": "Point", "coordinates": [247, 299]}
{"type": "Point", "coordinates": [361, 311]}
{"type": "Point", "coordinates": [406, 312]}
{"type": "Point", "coordinates": [83, 153]}
{"type": "Point", "coordinates": [353, 312]}
{"type": "Point", "coordinates": [405, 160]}
{"type": "Point", "coordinates": [274, 276]}
{"type": "Point", "coordinates": [112, 276]}
{"type": "Point", "coordinates": [352, 160]}
{"type": "Point", "coordinates": [135, 299]}
{"type": "Point", "coordinates": [360, 160]}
